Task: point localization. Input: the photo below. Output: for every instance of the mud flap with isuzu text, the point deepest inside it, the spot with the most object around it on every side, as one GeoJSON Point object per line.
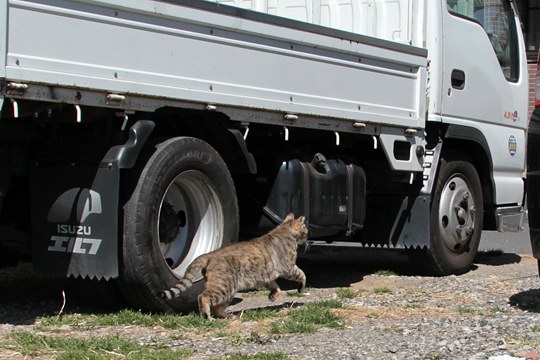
{"type": "Point", "coordinates": [75, 212]}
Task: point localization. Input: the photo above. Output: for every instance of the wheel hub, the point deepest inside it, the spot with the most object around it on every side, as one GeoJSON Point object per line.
{"type": "Point", "coordinates": [456, 214]}
{"type": "Point", "coordinates": [190, 220]}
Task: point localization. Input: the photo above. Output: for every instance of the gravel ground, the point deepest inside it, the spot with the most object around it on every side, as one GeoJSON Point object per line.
{"type": "Point", "coordinates": [492, 312]}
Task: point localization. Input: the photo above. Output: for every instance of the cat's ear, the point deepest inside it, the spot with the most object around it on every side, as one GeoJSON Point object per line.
{"type": "Point", "coordinates": [289, 217]}
{"type": "Point", "coordinates": [302, 219]}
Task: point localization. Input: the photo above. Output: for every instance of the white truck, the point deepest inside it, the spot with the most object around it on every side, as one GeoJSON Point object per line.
{"type": "Point", "coordinates": [137, 135]}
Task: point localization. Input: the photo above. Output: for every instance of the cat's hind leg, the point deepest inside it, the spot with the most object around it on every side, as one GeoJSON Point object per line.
{"type": "Point", "coordinates": [297, 275]}
{"type": "Point", "coordinates": [219, 310]}
{"type": "Point", "coordinates": [274, 290]}
{"type": "Point", "coordinates": [205, 305]}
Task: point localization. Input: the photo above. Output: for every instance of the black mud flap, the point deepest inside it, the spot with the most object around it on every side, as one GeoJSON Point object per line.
{"type": "Point", "coordinates": [75, 221]}
{"type": "Point", "coordinates": [75, 212]}
{"type": "Point", "coordinates": [533, 182]}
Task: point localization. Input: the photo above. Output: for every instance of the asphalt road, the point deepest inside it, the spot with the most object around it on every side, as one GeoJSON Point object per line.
{"type": "Point", "coordinates": [512, 243]}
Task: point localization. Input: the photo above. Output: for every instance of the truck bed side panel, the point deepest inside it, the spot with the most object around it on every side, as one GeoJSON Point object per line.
{"type": "Point", "coordinates": [170, 50]}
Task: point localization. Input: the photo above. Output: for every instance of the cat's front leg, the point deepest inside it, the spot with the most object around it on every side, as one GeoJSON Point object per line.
{"type": "Point", "coordinates": [297, 275]}
{"type": "Point", "coordinates": [275, 291]}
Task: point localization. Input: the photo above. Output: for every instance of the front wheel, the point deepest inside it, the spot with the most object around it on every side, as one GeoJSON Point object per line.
{"type": "Point", "coordinates": [183, 205]}
{"type": "Point", "coordinates": [456, 220]}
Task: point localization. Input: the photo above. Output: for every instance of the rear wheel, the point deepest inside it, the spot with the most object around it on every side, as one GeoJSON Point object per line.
{"type": "Point", "coordinates": [183, 205]}
{"type": "Point", "coordinates": [456, 220]}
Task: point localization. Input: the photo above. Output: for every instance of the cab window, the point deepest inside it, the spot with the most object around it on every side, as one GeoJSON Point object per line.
{"type": "Point", "coordinates": [497, 19]}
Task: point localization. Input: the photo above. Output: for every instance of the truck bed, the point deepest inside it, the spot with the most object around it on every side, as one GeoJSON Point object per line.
{"type": "Point", "coordinates": [211, 55]}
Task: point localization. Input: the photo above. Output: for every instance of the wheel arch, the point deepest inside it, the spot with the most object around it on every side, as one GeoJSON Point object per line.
{"type": "Point", "coordinates": [466, 143]}
{"type": "Point", "coordinates": [215, 128]}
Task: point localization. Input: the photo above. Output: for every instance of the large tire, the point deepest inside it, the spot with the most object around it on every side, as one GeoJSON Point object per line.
{"type": "Point", "coordinates": [183, 205]}
{"type": "Point", "coordinates": [456, 220]}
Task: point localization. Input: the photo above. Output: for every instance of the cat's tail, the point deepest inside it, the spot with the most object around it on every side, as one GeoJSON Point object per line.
{"type": "Point", "coordinates": [185, 283]}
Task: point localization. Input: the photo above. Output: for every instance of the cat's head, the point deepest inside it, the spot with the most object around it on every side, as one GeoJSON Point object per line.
{"type": "Point", "coordinates": [298, 227]}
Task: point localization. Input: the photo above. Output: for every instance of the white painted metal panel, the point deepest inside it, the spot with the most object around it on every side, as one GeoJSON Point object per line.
{"type": "Point", "coordinates": [3, 39]}
{"type": "Point", "coordinates": [167, 50]}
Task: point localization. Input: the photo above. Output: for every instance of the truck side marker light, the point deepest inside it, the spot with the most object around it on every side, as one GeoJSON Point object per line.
{"type": "Point", "coordinates": [359, 125]}
{"type": "Point", "coordinates": [291, 117]}
{"type": "Point", "coordinates": [410, 131]}
{"type": "Point", "coordinates": [124, 124]}
{"type": "Point", "coordinates": [79, 113]}
{"type": "Point", "coordinates": [15, 108]}
{"type": "Point", "coordinates": [211, 107]}
{"type": "Point", "coordinates": [115, 98]}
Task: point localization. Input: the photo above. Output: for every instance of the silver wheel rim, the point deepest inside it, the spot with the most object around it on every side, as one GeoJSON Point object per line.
{"type": "Point", "coordinates": [190, 220]}
{"type": "Point", "coordinates": [457, 213]}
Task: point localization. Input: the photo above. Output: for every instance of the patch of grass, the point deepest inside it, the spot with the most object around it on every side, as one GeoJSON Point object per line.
{"type": "Point", "coordinates": [129, 317]}
{"type": "Point", "coordinates": [108, 347]}
{"type": "Point", "coordinates": [523, 341]}
{"type": "Point", "coordinates": [256, 292]}
{"type": "Point", "coordinates": [383, 290]}
{"type": "Point", "coordinates": [390, 330]}
{"type": "Point", "coordinates": [261, 356]}
{"type": "Point", "coordinates": [258, 314]}
{"type": "Point", "coordinates": [535, 328]}
{"type": "Point", "coordinates": [310, 318]}
{"type": "Point", "coordinates": [467, 310]}
{"type": "Point", "coordinates": [233, 338]}
{"type": "Point", "coordinates": [344, 293]}
{"type": "Point", "coordinates": [295, 293]}
{"type": "Point", "coordinates": [413, 306]}
{"type": "Point", "coordinates": [385, 273]}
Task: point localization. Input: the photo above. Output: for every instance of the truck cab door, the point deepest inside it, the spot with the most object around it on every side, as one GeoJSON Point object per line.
{"type": "Point", "coordinates": [484, 86]}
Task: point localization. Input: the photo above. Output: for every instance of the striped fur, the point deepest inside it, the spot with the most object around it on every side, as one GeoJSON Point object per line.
{"type": "Point", "coordinates": [246, 265]}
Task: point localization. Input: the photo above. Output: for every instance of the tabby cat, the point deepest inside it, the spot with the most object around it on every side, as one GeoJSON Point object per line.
{"type": "Point", "coordinates": [246, 265]}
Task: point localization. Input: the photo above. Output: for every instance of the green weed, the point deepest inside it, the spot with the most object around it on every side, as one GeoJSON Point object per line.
{"type": "Point", "coordinates": [262, 356]}
{"type": "Point", "coordinates": [382, 290]}
{"type": "Point", "coordinates": [344, 293]}
{"type": "Point", "coordinates": [466, 310]}
{"type": "Point", "coordinates": [258, 314]}
{"type": "Point", "coordinates": [385, 273]}
{"type": "Point", "coordinates": [108, 347]}
{"type": "Point", "coordinates": [129, 317]}
{"type": "Point", "coordinates": [310, 318]}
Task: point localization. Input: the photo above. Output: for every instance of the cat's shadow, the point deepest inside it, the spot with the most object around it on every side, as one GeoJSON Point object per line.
{"type": "Point", "coordinates": [274, 307]}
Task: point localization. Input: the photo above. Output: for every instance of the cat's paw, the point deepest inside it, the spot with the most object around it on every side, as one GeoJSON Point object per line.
{"type": "Point", "coordinates": [302, 290]}
{"type": "Point", "coordinates": [274, 295]}
{"type": "Point", "coordinates": [226, 316]}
